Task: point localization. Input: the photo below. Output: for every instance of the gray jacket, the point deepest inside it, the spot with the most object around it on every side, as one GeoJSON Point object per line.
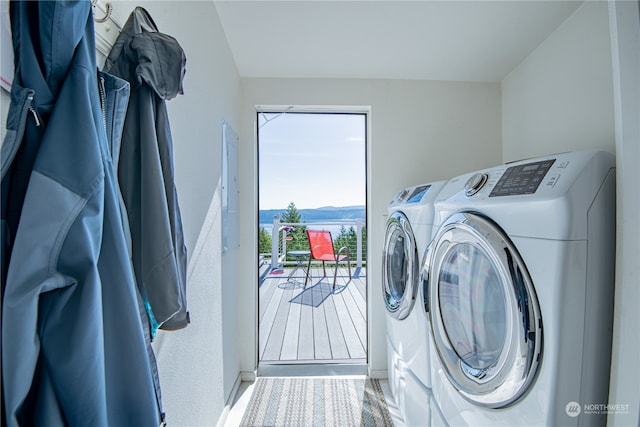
{"type": "Point", "coordinates": [75, 342]}
{"type": "Point", "coordinates": [154, 64]}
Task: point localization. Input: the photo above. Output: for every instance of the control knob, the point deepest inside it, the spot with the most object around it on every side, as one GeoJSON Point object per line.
{"type": "Point", "coordinates": [475, 183]}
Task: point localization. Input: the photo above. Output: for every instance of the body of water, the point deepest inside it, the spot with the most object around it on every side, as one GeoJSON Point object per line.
{"type": "Point", "coordinates": [334, 228]}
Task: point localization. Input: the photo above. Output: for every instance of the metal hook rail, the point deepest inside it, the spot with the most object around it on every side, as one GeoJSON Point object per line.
{"type": "Point", "coordinates": [108, 12]}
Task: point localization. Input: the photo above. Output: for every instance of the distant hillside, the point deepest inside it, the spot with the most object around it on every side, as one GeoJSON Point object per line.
{"type": "Point", "coordinates": [324, 214]}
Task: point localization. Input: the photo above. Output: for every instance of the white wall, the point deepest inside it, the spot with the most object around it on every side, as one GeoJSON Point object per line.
{"type": "Point", "coordinates": [420, 131]}
{"type": "Point", "coordinates": [625, 376]}
{"type": "Point", "coordinates": [199, 364]}
{"type": "Point", "coordinates": [560, 98]}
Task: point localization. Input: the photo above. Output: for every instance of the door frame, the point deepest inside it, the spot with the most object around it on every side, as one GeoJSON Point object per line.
{"type": "Point", "coordinates": [303, 368]}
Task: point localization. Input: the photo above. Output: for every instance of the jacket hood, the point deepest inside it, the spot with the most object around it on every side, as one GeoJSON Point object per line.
{"type": "Point", "coordinates": [45, 37]}
{"type": "Point", "coordinates": [143, 55]}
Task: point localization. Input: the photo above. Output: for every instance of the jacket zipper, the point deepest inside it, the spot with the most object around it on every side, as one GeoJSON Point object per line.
{"type": "Point", "coordinates": [103, 102]}
{"type": "Point", "coordinates": [33, 111]}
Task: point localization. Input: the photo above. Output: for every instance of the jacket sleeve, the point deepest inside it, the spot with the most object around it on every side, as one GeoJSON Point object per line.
{"type": "Point", "coordinates": [54, 344]}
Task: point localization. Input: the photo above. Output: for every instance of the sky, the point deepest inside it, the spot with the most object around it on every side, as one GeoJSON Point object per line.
{"type": "Point", "coordinates": [313, 160]}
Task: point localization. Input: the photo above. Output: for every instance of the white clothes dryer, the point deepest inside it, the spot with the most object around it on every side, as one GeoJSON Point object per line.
{"type": "Point", "coordinates": [408, 232]}
{"type": "Point", "coordinates": [518, 283]}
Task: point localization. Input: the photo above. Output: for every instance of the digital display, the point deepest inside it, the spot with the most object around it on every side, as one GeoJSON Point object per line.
{"type": "Point", "coordinates": [522, 179]}
{"type": "Point", "coordinates": [418, 193]}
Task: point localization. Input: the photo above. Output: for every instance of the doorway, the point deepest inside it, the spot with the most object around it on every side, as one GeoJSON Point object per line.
{"type": "Point", "coordinates": [311, 176]}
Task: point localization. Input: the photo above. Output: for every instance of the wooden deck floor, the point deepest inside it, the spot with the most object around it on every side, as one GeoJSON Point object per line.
{"type": "Point", "coordinates": [313, 324]}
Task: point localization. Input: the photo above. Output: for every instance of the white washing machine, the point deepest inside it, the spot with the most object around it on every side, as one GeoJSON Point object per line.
{"type": "Point", "coordinates": [409, 228]}
{"type": "Point", "coordinates": [519, 285]}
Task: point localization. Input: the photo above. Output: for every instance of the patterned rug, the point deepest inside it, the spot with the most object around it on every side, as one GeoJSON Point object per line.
{"type": "Point", "coordinates": [311, 402]}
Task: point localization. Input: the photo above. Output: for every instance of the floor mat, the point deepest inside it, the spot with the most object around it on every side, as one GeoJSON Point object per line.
{"type": "Point", "coordinates": [307, 402]}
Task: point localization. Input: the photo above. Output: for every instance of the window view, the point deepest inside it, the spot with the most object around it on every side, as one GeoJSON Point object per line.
{"type": "Point", "coordinates": [312, 237]}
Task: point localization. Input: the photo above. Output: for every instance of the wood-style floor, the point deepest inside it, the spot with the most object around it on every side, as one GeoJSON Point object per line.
{"type": "Point", "coordinates": [313, 324]}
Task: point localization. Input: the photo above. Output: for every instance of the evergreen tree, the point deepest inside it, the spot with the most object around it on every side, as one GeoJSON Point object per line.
{"type": "Point", "coordinates": [264, 242]}
{"type": "Point", "coordinates": [349, 238]}
{"type": "Point", "coordinates": [364, 243]}
{"type": "Point", "coordinates": [298, 236]}
{"type": "Point", "coordinates": [291, 214]}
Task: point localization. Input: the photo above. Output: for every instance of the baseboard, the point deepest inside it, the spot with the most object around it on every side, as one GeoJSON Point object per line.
{"type": "Point", "coordinates": [248, 376]}
{"type": "Point", "coordinates": [230, 401]}
{"type": "Point", "coordinates": [316, 369]}
{"type": "Point", "coordinates": [380, 374]}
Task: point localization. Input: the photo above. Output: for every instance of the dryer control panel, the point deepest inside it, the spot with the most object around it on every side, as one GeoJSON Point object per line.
{"type": "Point", "coordinates": [522, 179]}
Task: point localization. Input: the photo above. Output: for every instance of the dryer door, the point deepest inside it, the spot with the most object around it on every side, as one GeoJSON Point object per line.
{"type": "Point", "coordinates": [484, 313]}
{"type": "Point", "coordinates": [399, 267]}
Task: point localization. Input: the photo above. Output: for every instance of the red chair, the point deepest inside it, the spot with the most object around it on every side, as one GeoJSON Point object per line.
{"type": "Point", "coordinates": [321, 248]}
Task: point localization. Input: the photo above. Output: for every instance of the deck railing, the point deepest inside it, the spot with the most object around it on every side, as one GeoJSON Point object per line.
{"type": "Point", "coordinates": [281, 233]}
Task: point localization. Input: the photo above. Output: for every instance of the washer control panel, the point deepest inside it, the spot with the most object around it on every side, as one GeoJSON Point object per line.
{"type": "Point", "coordinates": [418, 193]}
{"type": "Point", "coordinates": [411, 195]}
{"type": "Point", "coordinates": [522, 179]}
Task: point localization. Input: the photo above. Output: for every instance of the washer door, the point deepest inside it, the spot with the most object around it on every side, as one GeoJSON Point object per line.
{"type": "Point", "coordinates": [399, 267]}
{"type": "Point", "coordinates": [484, 313]}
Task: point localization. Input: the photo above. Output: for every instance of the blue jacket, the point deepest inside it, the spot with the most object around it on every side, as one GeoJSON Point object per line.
{"type": "Point", "coordinates": [154, 64]}
{"type": "Point", "coordinates": [75, 341]}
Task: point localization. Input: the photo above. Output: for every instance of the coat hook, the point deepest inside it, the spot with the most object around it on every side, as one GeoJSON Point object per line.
{"type": "Point", "coordinates": [107, 15]}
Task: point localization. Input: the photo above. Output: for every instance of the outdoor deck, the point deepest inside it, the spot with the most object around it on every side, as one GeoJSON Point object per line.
{"type": "Point", "coordinates": [313, 324]}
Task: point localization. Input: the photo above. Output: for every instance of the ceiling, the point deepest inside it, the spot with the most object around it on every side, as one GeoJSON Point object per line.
{"type": "Point", "coordinates": [387, 39]}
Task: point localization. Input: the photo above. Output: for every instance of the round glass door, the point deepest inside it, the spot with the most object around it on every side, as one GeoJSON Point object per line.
{"type": "Point", "coordinates": [473, 306]}
{"type": "Point", "coordinates": [484, 312]}
{"type": "Point", "coordinates": [399, 267]}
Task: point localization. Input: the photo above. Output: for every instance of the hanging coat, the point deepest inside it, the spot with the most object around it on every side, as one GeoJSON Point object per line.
{"type": "Point", "coordinates": [154, 64]}
{"type": "Point", "coordinates": [75, 345]}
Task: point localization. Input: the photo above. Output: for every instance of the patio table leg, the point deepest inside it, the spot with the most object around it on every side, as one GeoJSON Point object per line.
{"type": "Point", "coordinates": [300, 257]}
